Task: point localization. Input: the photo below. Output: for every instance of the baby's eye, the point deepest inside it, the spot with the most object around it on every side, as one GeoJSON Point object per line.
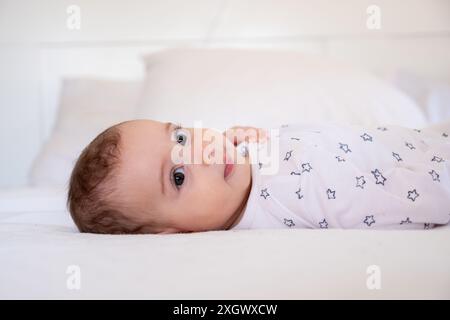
{"type": "Point", "coordinates": [178, 176]}
{"type": "Point", "coordinates": [180, 137]}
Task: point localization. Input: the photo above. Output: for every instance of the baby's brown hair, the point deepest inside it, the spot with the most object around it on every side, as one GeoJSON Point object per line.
{"type": "Point", "coordinates": [91, 188]}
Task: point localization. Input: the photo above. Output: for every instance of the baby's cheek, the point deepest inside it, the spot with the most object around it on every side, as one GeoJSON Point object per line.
{"type": "Point", "coordinates": [214, 197]}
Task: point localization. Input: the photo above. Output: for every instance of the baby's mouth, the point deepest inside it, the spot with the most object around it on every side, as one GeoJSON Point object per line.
{"type": "Point", "coordinates": [228, 169]}
{"type": "Point", "coordinates": [228, 165]}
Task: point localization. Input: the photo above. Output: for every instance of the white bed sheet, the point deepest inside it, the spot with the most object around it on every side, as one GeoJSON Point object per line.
{"type": "Point", "coordinates": [37, 247]}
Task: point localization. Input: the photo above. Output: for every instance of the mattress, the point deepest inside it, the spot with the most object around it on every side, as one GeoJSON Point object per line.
{"type": "Point", "coordinates": [41, 251]}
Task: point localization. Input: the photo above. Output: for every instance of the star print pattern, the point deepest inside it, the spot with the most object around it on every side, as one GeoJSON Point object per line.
{"type": "Point", "coordinates": [289, 222]}
{"type": "Point", "coordinates": [288, 155]}
{"type": "Point", "coordinates": [434, 175]}
{"type": "Point", "coordinates": [323, 224]}
{"type": "Point", "coordinates": [437, 159]}
{"type": "Point", "coordinates": [331, 194]}
{"type": "Point", "coordinates": [380, 179]}
{"type": "Point", "coordinates": [406, 221]}
{"type": "Point", "coordinates": [316, 170]}
{"type": "Point", "coordinates": [412, 195]}
{"type": "Point", "coordinates": [360, 182]}
{"type": "Point", "coordinates": [306, 167]}
{"type": "Point", "coordinates": [366, 137]}
{"type": "Point", "coordinates": [369, 220]}
{"type": "Point", "coordinates": [344, 147]}
{"type": "Point", "coordinates": [397, 156]}
{"type": "Point", "coordinates": [264, 193]}
{"type": "Point", "coordinates": [409, 145]}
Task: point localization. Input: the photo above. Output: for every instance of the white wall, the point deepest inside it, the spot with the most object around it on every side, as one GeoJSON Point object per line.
{"type": "Point", "coordinates": [35, 45]}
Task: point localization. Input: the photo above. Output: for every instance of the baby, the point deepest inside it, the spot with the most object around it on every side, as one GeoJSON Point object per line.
{"type": "Point", "coordinates": [145, 176]}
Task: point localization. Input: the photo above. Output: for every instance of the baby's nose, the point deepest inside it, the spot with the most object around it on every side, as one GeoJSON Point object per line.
{"type": "Point", "coordinates": [212, 156]}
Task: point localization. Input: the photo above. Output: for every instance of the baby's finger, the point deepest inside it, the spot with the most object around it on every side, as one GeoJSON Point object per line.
{"type": "Point", "coordinates": [240, 134]}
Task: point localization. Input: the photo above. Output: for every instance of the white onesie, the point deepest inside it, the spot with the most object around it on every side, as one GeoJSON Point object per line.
{"type": "Point", "coordinates": [335, 176]}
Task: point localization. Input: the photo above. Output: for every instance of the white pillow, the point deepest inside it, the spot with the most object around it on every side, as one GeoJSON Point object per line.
{"type": "Point", "coordinates": [225, 87]}
{"type": "Point", "coordinates": [87, 107]}
{"type": "Point", "coordinates": [432, 96]}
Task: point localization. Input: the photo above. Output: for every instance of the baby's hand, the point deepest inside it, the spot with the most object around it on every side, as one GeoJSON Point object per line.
{"type": "Point", "coordinates": [240, 134]}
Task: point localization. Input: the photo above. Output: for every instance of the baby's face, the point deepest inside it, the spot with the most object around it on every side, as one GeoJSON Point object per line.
{"type": "Point", "coordinates": [186, 197]}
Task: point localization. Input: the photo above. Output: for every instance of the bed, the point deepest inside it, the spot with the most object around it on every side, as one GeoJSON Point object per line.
{"type": "Point", "coordinates": [42, 256]}
{"type": "Point", "coordinates": [39, 253]}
